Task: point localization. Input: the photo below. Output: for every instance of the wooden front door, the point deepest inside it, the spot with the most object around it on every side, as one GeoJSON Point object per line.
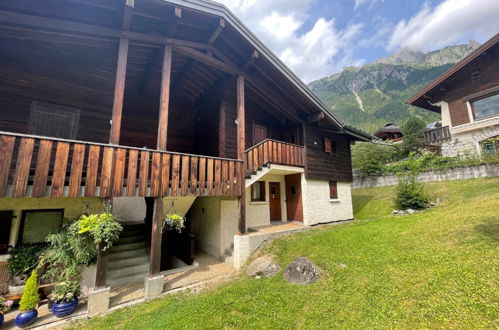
{"type": "Point", "coordinates": [294, 205]}
{"type": "Point", "coordinates": [275, 201]}
{"type": "Point", "coordinates": [260, 133]}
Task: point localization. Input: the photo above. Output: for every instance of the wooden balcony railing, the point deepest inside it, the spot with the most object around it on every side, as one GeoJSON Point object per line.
{"type": "Point", "coordinates": [40, 166]}
{"type": "Point", "coordinates": [273, 152]}
{"type": "Point", "coordinates": [437, 135]}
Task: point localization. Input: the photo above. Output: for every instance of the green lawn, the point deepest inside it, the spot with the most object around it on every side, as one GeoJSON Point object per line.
{"type": "Point", "coordinates": [437, 269]}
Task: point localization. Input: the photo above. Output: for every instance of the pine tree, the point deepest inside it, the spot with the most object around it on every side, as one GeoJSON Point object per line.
{"type": "Point", "coordinates": [30, 297]}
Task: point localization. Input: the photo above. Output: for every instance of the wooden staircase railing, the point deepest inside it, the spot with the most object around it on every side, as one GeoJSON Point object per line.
{"type": "Point", "coordinates": [39, 166]}
{"type": "Point", "coordinates": [273, 152]}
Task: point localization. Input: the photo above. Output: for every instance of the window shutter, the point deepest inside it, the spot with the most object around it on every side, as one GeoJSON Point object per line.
{"type": "Point", "coordinates": [333, 190]}
{"type": "Point", "coordinates": [327, 145]}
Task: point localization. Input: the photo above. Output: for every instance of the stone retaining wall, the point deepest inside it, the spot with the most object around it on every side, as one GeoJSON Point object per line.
{"type": "Point", "coordinates": [459, 173]}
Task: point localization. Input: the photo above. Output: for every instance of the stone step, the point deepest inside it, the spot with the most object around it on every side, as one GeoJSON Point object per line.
{"type": "Point", "coordinates": [139, 277]}
{"type": "Point", "coordinates": [128, 271]}
{"type": "Point", "coordinates": [130, 239]}
{"type": "Point", "coordinates": [120, 263]}
{"type": "Point", "coordinates": [128, 233]}
{"type": "Point", "coordinates": [128, 247]}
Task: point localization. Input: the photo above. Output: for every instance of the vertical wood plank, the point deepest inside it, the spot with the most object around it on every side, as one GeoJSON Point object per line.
{"type": "Point", "coordinates": [119, 92]}
{"type": "Point", "coordinates": [279, 153]}
{"type": "Point", "coordinates": [210, 169]}
{"type": "Point", "coordinates": [274, 152]}
{"type": "Point", "coordinates": [60, 166]}
{"type": "Point", "coordinates": [225, 177]}
{"type": "Point", "coordinates": [76, 170]}
{"type": "Point", "coordinates": [266, 153]}
{"type": "Point", "coordinates": [6, 151]}
{"type": "Point", "coordinates": [239, 176]}
{"type": "Point", "coordinates": [255, 160]}
{"type": "Point", "coordinates": [92, 168]}
{"type": "Point", "coordinates": [218, 177]}
{"type": "Point", "coordinates": [22, 167]}
{"type": "Point", "coordinates": [165, 174]}
{"type": "Point", "coordinates": [175, 174]}
{"type": "Point", "coordinates": [106, 172]}
{"type": "Point", "coordinates": [202, 176]}
{"type": "Point", "coordinates": [119, 171]}
{"type": "Point", "coordinates": [164, 99]}
{"type": "Point", "coordinates": [42, 168]}
{"type": "Point", "coordinates": [156, 174]}
{"type": "Point", "coordinates": [131, 181]}
{"type": "Point", "coordinates": [144, 173]}
{"type": "Point", "coordinates": [231, 178]}
{"type": "Point", "coordinates": [194, 176]}
{"type": "Point", "coordinates": [185, 175]}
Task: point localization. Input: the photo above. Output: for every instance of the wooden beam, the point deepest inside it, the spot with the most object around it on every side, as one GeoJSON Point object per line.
{"type": "Point", "coordinates": [315, 117]}
{"type": "Point", "coordinates": [156, 237]}
{"type": "Point", "coordinates": [206, 59]}
{"type": "Point", "coordinates": [217, 32]}
{"type": "Point", "coordinates": [157, 55]}
{"type": "Point", "coordinates": [241, 145]}
{"type": "Point", "coordinates": [44, 23]}
{"type": "Point", "coordinates": [255, 55]}
{"type": "Point", "coordinates": [128, 14]}
{"type": "Point", "coordinates": [164, 101]}
{"type": "Point", "coordinates": [119, 91]}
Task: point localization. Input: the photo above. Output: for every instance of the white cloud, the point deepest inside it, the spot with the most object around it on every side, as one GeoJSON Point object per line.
{"type": "Point", "coordinates": [311, 53]}
{"type": "Point", "coordinates": [360, 3]}
{"type": "Point", "coordinates": [451, 21]}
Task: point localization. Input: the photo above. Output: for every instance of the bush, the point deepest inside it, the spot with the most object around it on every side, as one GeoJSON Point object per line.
{"type": "Point", "coordinates": [410, 194]}
{"type": "Point", "coordinates": [30, 298]}
{"type": "Point", "coordinates": [369, 159]}
{"type": "Point", "coordinates": [24, 258]}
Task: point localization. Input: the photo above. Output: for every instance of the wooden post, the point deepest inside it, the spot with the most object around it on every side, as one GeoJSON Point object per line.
{"type": "Point", "coordinates": [241, 144]}
{"type": "Point", "coordinates": [164, 101]}
{"type": "Point", "coordinates": [119, 92]}
{"type": "Point", "coordinates": [164, 104]}
{"type": "Point", "coordinates": [100, 278]}
{"type": "Point", "coordinates": [157, 222]}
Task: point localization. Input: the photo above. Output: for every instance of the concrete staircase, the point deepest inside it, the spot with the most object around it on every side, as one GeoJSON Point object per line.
{"type": "Point", "coordinates": [129, 256]}
{"type": "Point", "coordinates": [257, 175]}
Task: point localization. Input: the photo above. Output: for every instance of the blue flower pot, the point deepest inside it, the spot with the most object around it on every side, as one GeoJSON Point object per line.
{"type": "Point", "coordinates": [1, 320]}
{"type": "Point", "coordinates": [64, 308]}
{"type": "Point", "coordinates": [25, 319]}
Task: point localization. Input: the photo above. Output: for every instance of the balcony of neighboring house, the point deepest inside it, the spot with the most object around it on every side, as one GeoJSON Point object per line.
{"type": "Point", "coordinates": [437, 135]}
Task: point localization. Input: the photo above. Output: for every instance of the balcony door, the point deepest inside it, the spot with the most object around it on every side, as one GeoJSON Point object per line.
{"type": "Point", "coordinates": [260, 133]}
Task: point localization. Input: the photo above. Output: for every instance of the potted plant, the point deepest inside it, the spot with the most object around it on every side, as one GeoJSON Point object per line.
{"type": "Point", "coordinates": [5, 306]}
{"type": "Point", "coordinates": [22, 260]}
{"type": "Point", "coordinates": [29, 302]}
{"type": "Point", "coordinates": [65, 298]}
{"type": "Point", "coordinates": [175, 221]}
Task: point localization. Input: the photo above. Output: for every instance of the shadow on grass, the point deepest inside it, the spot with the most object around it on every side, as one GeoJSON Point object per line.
{"type": "Point", "coordinates": [490, 228]}
{"type": "Point", "coordinates": [360, 202]}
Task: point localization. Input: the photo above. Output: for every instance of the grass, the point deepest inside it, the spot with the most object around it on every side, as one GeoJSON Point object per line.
{"type": "Point", "coordinates": [436, 269]}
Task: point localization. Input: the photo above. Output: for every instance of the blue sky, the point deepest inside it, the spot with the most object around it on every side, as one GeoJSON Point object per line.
{"type": "Point", "coordinates": [317, 38]}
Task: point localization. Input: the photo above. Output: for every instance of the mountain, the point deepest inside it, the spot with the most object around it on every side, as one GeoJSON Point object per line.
{"type": "Point", "coordinates": [370, 96]}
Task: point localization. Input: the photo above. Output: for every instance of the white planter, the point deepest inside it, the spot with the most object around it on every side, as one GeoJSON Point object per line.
{"type": "Point", "coordinates": [16, 289]}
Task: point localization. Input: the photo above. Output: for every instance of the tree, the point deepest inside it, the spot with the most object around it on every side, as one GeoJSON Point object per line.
{"type": "Point", "coordinates": [369, 159]}
{"type": "Point", "coordinates": [413, 131]}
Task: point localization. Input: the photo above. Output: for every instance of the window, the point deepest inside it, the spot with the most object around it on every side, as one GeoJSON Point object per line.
{"type": "Point", "coordinates": [53, 120]}
{"type": "Point", "coordinates": [37, 224]}
{"type": "Point", "coordinates": [258, 191]}
{"type": "Point", "coordinates": [5, 225]}
{"type": "Point", "coordinates": [329, 146]}
{"type": "Point", "coordinates": [486, 107]}
{"type": "Point", "coordinates": [333, 190]}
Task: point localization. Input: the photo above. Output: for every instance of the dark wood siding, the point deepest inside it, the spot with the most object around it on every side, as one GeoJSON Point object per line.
{"type": "Point", "coordinates": [322, 165]}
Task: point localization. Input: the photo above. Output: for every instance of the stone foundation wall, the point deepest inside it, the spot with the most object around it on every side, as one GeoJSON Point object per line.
{"type": "Point", "coordinates": [468, 142]}
{"type": "Point", "coordinates": [459, 173]}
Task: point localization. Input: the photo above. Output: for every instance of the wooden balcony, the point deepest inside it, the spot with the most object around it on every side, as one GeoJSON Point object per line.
{"type": "Point", "coordinates": [36, 166]}
{"type": "Point", "coordinates": [273, 152]}
{"type": "Point", "coordinates": [437, 135]}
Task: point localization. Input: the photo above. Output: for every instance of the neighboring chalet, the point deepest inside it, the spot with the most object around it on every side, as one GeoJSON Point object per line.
{"type": "Point", "coordinates": [391, 132]}
{"type": "Point", "coordinates": [158, 106]}
{"type": "Point", "coordinates": [467, 96]}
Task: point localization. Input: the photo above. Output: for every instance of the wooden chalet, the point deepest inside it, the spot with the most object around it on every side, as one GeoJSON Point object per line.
{"type": "Point", "coordinates": [156, 99]}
